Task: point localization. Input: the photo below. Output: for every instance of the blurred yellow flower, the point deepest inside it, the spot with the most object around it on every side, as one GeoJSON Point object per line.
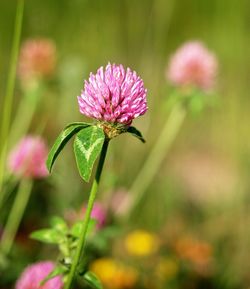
{"type": "Point", "coordinates": [166, 268]}
{"type": "Point", "coordinates": [113, 274]}
{"type": "Point", "coordinates": [141, 243]}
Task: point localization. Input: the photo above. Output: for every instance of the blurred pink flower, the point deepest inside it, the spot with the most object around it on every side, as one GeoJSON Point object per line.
{"type": "Point", "coordinates": [193, 64]}
{"type": "Point", "coordinates": [99, 214]}
{"type": "Point", "coordinates": [113, 95]}
{"type": "Point", "coordinates": [28, 158]}
{"type": "Point", "coordinates": [37, 59]}
{"type": "Point", "coordinates": [34, 274]}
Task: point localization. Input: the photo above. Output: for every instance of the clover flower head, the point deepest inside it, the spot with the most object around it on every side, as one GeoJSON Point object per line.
{"type": "Point", "coordinates": [34, 274]}
{"type": "Point", "coordinates": [28, 158]}
{"type": "Point", "coordinates": [37, 59]}
{"type": "Point", "coordinates": [193, 64]}
{"type": "Point", "coordinates": [113, 95]}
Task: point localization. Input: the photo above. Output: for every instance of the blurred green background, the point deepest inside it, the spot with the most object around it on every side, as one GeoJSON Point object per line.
{"type": "Point", "coordinates": [204, 180]}
{"type": "Point", "coordinates": [142, 34]}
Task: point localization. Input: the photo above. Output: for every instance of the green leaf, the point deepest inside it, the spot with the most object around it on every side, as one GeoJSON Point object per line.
{"type": "Point", "coordinates": [77, 227]}
{"type": "Point", "coordinates": [62, 139]}
{"type": "Point", "coordinates": [59, 224]}
{"type": "Point", "coordinates": [58, 270]}
{"type": "Point", "coordinates": [47, 236]}
{"type": "Point", "coordinates": [87, 147]}
{"type": "Point", "coordinates": [92, 280]}
{"type": "Point", "coordinates": [135, 132]}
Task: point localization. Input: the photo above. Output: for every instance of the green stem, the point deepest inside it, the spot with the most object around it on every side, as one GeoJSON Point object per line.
{"type": "Point", "coordinates": [92, 196]}
{"type": "Point", "coordinates": [7, 107]}
{"type": "Point", "coordinates": [16, 215]}
{"type": "Point", "coordinates": [159, 151]}
{"type": "Point", "coordinates": [8, 188]}
{"type": "Point", "coordinates": [27, 107]}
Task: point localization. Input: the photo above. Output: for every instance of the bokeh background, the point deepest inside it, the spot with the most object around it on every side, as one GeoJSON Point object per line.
{"type": "Point", "coordinates": [202, 188]}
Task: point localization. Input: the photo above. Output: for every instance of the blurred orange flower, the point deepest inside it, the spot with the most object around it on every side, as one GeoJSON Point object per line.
{"type": "Point", "coordinates": [198, 252]}
{"type": "Point", "coordinates": [113, 274]}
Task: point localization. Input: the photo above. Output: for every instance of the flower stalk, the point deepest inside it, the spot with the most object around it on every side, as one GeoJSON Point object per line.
{"type": "Point", "coordinates": [16, 215]}
{"type": "Point", "coordinates": [159, 151]}
{"type": "Point", "coordinates": [92, 196]}
{"type": "Point", "coordinates": [114, 97]}
{"type": "Point", "coordinates": [7, 108]}
{"type": "Point", "coordinates": [27, 107]}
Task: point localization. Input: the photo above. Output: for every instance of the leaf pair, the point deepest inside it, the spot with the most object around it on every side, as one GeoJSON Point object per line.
{"type": "Point", "coordinates": [88, 144]}
{"type": "Point", "coordinates": [66, 239]}
{"type": "Point", "coordinates": [59, 231]}
{"type": "Point", "coordinates": [54, 235]}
